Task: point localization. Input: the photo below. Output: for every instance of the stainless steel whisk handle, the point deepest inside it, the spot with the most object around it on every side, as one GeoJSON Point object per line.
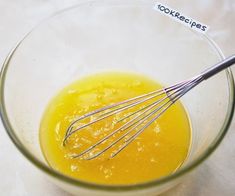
{"type": "Point", "coordinates": [211, 71]}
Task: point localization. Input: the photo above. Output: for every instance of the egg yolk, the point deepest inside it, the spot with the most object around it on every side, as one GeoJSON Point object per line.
{"type": "Point", "coordinates": [158, 151]}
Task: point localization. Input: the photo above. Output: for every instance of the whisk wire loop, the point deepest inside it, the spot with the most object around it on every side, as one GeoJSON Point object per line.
{"type": "Point", "coordinates": [158, 102]}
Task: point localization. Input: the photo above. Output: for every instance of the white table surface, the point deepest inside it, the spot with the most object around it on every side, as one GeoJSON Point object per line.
{"type": "Point", "coordinates": [215, 177]}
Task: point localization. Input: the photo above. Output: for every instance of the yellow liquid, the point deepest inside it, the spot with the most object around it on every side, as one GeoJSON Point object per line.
{"type": "Point", "coordinates": [158, 151]}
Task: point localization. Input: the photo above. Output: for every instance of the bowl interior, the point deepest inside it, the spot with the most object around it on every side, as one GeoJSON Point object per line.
{"type": "Point", "coordinates": [98, 37]}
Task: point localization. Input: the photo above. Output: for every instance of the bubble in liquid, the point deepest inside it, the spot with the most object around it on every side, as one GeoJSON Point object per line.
{"type": "Point", "coordinates": [101, 167]}
{"type": "Point", "coordinates": [86, 140]}
{"type": "Point", "coordinates": [57, 128]}
{"type": "Point", "coordinates": [153, 160]}
{"type": "Point", "coordinates": [140, 149]}
{"type": "Point", "coordinates": [77, 145]}
{"type": "Point", "coordinates": [74, 168]}
{"type": "Point", "coordinates": [72, 91]}
{"type": "Point", "coordinates": [156, 144]}
{"type": "Point", "coordinates": [157, 129]}
{"type": "Point", "coordinates": [108, 173]}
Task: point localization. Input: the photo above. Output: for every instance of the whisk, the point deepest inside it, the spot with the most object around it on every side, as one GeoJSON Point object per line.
{"type": "Point", "coordinates": [139, 119]}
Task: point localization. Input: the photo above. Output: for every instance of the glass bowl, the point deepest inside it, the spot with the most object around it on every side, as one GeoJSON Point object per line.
{"type": "Point", "coordinates": [100, 36]}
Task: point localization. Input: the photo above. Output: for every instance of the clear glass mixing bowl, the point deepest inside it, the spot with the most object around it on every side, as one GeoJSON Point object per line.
{"type": "Point", "coordinates": [107, 36]}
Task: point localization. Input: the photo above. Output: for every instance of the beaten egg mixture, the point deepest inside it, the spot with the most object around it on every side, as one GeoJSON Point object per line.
{"type": "Point", "coordinates": [159, 151]}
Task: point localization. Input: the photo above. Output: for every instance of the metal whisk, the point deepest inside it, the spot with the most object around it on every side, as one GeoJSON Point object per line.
{"type": "Point", "coordinates": [141, 118]}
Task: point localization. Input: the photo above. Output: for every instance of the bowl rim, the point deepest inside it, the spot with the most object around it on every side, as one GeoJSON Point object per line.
{"type": "Point", "coordinates": [118, 188]}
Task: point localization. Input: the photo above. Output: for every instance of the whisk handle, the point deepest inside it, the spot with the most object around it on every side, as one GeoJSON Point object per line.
{"type": "Point", "coordinates": [211, 71]}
